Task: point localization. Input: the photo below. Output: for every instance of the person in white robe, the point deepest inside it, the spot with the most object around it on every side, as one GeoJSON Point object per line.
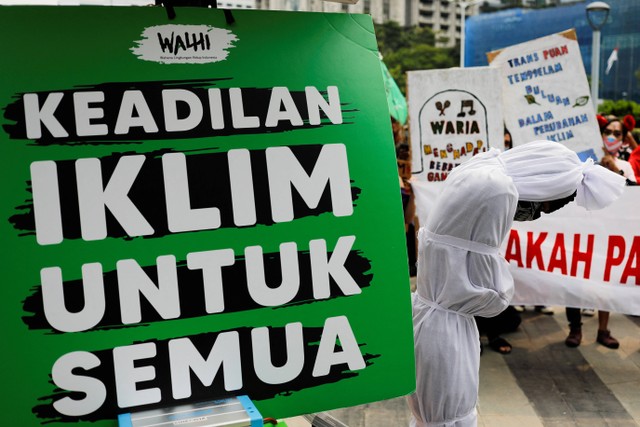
{"type": "Point", "coordinates": [461, 273]}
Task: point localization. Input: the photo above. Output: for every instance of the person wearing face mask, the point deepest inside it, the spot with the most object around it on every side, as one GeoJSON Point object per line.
{"type": "Point", "coordinates": [461, 273]}
{"type": "Point", "coordinates": [629, 150]}
{"type": "Point", "coordinates": [614, 133]}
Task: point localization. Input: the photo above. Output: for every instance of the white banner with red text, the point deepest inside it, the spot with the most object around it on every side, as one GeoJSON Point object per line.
{"type": "Point", "coordinates": [572, 257]}
{"type": "Point", "coordinates": [577, 258]}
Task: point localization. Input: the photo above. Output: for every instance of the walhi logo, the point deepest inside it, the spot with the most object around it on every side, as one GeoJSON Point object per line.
{"type": "Point", "coordinates": [184, 44]}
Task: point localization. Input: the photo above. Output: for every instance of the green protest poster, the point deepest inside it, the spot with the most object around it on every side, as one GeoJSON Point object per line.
{"type": "Point", "coordinates": [193, 209]}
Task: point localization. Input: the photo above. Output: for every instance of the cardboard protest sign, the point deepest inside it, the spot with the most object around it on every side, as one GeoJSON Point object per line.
{"type": "Point", "coordinates": [546, 93]}
{"type": "Point", "coordinates": [454, 114]}
{"type": "Point", "coordinates": [578, 259]}
{"type": "Point", "coordinates": [193, 209]}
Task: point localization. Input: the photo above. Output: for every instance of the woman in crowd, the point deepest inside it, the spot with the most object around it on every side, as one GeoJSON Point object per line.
{"type": "Point", "coordinates": [614, 132]}
{"type": "Point", "coordinates": [618, 144]}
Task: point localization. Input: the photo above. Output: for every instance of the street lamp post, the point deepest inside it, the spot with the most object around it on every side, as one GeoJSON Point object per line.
{"type": "Point", "coordinates": [463, 6]}
{"type": "Point", "coordinates": [597, 14]}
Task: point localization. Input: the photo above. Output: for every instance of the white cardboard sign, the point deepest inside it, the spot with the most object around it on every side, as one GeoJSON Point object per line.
{"type": "Point", "coordinates": [454, 114]}
{"type": "Point", "coordinates": [546, 93]}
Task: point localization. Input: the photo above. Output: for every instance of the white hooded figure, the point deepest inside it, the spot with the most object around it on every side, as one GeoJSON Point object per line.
{"type": "Point", "coordinates": [461, 273]}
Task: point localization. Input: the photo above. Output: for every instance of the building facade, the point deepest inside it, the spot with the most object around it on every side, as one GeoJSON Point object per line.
{"type": "Point", "coordinates": [404, 12]}
{"type": "Point", "coordinates": [441, 16]}
{"type": "Point", "coordinates": [444, 17]}
{"type": "Point", "coordinates": [237, 4]}
{"type": "Point", "coordinates": [492, 31]}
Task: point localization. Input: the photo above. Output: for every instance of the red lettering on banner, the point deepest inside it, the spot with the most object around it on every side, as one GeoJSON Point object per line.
{"type": "Point", "coordinates": [615, 243]}
{"type": "Point", "coordinates": [632, 268]}
{"type": "Point", "coordinates": [558, 255]}
{"type": "Point", "coordinates": [586, 256]}
{"type": "Point", "coordinates": [512, 253]}
{"type": "Point", "coordinates": [534, 251]}
{"type": "Point", "coordinates": [617, 257]}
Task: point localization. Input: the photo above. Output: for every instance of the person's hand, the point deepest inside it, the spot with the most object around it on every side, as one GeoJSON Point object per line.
{"type": "Point", "coordinates": [630, 140]}
{"type": "Point", "coordinates": [609, 162]}
{"type": "Point", "coordinates": [629, 123]}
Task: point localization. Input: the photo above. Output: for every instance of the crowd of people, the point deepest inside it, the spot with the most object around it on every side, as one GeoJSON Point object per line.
{"type": "Point", "coordinates": [622, 156]}
{"type": "Point", "coordinates": [469, 292]}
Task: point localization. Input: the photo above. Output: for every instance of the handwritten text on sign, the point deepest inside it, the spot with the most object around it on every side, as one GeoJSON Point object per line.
{"type": "Point", "coordinates": [546, 93]}
{"type": "Point", "coordinates": [456, 114]}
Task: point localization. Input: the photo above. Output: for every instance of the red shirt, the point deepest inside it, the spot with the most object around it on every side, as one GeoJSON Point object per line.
{"type": "Point", "coordinates": [634, 160]}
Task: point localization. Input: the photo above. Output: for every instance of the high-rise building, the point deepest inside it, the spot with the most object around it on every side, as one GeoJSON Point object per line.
{"type": "Point", "coordinates": [491, 31]}
{"type": "Point", "coordinates": [237, 4]}
{"type": "Point", "coordinates": [404, 12]}
{"type": "Point", "coordinates": [441, 16]}
{"type": "Point", "coordinates": [444, 18]}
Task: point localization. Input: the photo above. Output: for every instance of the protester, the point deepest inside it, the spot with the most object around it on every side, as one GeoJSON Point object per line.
{"type": "Point", "coordinates": [629, 149]}
{"type": "Point", "coordinates": [543, 309]}
{"type": "Point", "coordinates": [603, 337]}
{"type": "Point", "coordinates": [509, 319]}
{"type": "Point", "coordinates": [508, 142]}
{"type": "Point", "coordinates": [634, 159]}
{"type": "Point", "coordinates": [403, 159]}
{"type": "Point", "coordinates": [494, 327]}
{"type": "Point", "coordinates": [460, 271]}
{"type": "Point", "coordinates": [614, 132]}
{"type": "Point", "coordinates": [627, 124]}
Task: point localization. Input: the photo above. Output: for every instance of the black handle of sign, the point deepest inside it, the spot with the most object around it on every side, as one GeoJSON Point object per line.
{"type": "Point", "coordinates": [171, 13]}
{"type": "Point", "coordinates": [168, 5]}
{"type": "Point", "coordinates": [228, 16]}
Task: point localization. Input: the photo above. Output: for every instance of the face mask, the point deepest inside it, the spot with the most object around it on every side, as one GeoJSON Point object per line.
{"type": "Point", "coordinates": [612, 144]}
{"type": "Point", "coordinates": [527, 211]}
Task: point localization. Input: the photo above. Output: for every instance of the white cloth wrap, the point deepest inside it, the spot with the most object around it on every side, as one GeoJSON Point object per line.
{"type": "Point", "coordinates": [599, 187]}
{"type": "Point", "coordinates": [460, 274]}
{"type": "Point", "coordinates": [460, 271]}
{"type": "Point", "coordinates": [547, 170]}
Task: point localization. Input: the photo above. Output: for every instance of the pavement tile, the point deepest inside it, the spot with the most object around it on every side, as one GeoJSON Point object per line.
{"type": "Point", "coordinates": [542, 382]}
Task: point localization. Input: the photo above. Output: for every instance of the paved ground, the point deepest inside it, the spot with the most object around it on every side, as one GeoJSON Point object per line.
{"type": "Point", "coordinates": [542, 382]}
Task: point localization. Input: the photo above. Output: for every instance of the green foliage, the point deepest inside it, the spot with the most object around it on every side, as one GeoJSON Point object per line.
{"type": "Point", "coordinates": [411, 48]}
{"type": "Point", "coordinates": [619, 108]}
{"type": "Point", "coordinates": [392, 37]}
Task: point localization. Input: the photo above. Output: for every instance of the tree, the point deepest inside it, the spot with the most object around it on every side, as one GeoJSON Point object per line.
{"type": "Point", "coordinates": [411, 48]}
{"type": "Point", "coordinates": [392, 36]}
{"type": "Point", "coordinates": [619, 108]}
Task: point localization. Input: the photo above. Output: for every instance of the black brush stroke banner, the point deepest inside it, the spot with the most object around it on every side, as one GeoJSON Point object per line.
{"type": "Point", "coordinates": [191, 291]}
{"type": "Point", "coordinates": [209, 186]}
{"type": "Point", "coordinates": [255, 103]}
{"type": "Point", "coordinates": [252, 385]}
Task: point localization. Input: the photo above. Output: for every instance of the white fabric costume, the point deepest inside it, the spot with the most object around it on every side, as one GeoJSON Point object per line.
{"type": "Point", "coordinates": [461, 274]}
